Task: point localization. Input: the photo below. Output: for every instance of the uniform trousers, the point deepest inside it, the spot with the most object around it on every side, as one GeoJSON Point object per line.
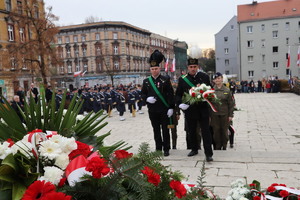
{"type": "Point", "coordinates": [159, 122]}
{"type": "Point", "coordinates": [202, 118]}
{"type": "Point", "coordinates": [220, 126]}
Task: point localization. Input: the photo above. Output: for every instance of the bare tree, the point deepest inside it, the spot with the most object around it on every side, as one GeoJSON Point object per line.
{"type": "Point", "coordinates": [91, 19]}
{"type": "Point", "coordinates": [37, 49]}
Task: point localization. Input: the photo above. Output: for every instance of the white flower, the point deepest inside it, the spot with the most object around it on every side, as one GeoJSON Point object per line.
{"type": "Point", "coordinates": [24, 147]}
{"type": "Point", "coordinates": [80, 117]}
{"type": "Point", "coordinates": [52, 174]}
{"type": "Point", "coordinates": [62, 161]}
{"type": "Point", "coordinates": [229, 198]}
{"type": "Point", "coordinates": [50, 149]}
{"type": "Point", "coordinates": [4, 150]}
{"type": "Point", "coordinates": [68, 145]}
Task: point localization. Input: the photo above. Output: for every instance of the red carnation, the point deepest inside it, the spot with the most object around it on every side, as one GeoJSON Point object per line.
{"type": "Point", "coordinates": [201, 91]}
{"type": "Point", "coordinates": [82, 149]}
{"type": "Point", "coordinates": [57, 196]}
{"type": "Point", "coordinates": [38, 190]}
{"type": "Point", "coordinates": [284, 193]}
{"type": "Point", "coordinates": [98, 167]}
{"type": "Point", "coordinates": [252, 185]}
{"type": "Point", "coordinates": [256, 198]}
{"type": "Point", "coordinates": [275, 184]}
{"type": "Point", "coordinates": [11, 142]}
{"type": "Point", "coordinates": [62, 182]}
{"type": "Point", "coordinates": [205, 95]}
{"type": "Point", "coordinates": [153, 177]}
{"type": "Point", "coordinates": [271, 189]}
{"type": "Point", "coordinates": [121, 154]}
{"type": "Point", "coordinates": [193, 94]}
{"type": "Point", "coordinates": [180, 190]}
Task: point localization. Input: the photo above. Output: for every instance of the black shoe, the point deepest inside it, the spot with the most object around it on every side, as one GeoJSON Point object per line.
{"type": "Point", "coordinates": [209, 158]}
{"type": "Point", "coordinates": [231, 145]}
{"type": "Point", "coordinates": [174, 147]}
{"type": "Point", "coordinates": [192, 153]}
{"type": "Point", "coordinates": [166, 153]}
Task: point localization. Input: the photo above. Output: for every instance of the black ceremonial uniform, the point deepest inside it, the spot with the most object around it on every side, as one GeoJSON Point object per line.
{"type": "Point", "coordinates": [158, 111]}
{"type": "Point", "coordinates": [196, 112]}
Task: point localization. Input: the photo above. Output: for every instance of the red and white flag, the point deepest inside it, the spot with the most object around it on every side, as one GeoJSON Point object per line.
{"type": "Point", "coordinates": [288, 63]}
{"type": "Point", "coordinates": [173, 65]}
{"type": "Point", "coordinates": [78, 73]}
{"type": "Point", "coordinates": [298, 57]}
{"type": "Point", "coordinates": [166, 65]}
{"type": "Point", "coordinates": [83, 73]}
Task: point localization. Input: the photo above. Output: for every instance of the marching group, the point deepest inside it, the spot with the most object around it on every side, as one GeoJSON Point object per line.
{"type": "Point", "coordinates": [164, 102]}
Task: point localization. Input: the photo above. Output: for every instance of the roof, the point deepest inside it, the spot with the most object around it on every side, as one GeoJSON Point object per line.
{"type": "Point", "coordinates": [268, 10]}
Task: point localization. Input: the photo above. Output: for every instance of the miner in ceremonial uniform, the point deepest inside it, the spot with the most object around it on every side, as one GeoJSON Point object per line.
{"type": "Point", "coordinates": [198, 112]}
{"type": "Point", "coordinates": [158, 93]}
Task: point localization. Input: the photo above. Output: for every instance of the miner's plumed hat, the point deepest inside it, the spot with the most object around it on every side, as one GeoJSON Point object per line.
{"type": "Point", "coordinates": [156, 58]}
{"type": "Point", "coordinates": [192, 61]}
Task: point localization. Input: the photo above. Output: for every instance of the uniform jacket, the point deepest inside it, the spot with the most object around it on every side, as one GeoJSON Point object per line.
{"type": "Point", "coordinates": [183, 86]}
{"type": "Point", "coordinates": [227, 105]}
{"type": "Point", "coordinates": [163, 84]}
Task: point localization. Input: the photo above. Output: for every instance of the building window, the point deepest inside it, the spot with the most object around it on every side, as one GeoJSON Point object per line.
{"type": "Point", "coordinates": [69, 68]}
{"type": "Point", "coordinates": [13, 63]}
{"type": "Point", "coordinates": [250, 58]}
{"type": "Point", "coordinates": [232, 27]}
{"type": "Point", "coordinates": [19, 7]}
{"type": "Point", "coordinates": [75, 38]}
{"type": "Point", "coordinates": [116, 50]}
{"type": "Point", "coordinates": [10, 29]}
{"type": "Point", "coordinates": [263, 58]}
{"type": "Point", "coordinates": [22, 35]}
{"type": "Point", "coordinates": [275, 65]}
{"type": "Point", "coordinates": [287, 26]}
{"type": "Point", "coordinates": [263, 43]}
{"type": "Point", "coordinates": [77, 68]}
{"type": "Point", "coordinates": [287, 40]}
{"type": "Point", "coordinates": [8, 5]}
{"type": "Point", "coordinates": [251, 73]}
{"type": "Point", "coordinates": [83, 38]}
{"type": "Point", "coordinates": [275, 34]}
{"type": "Point", "coordinates": [98, 51]}
{"type": "Point", "coordinates": [85, 67]}
{"type": "Point", "coordinates": [97, 36]}
{"type": "Point", "coordinates": [62, 70]}
{"type": "Point", "coordinates": [67, 39]}
{"type": "Point", "coordinates": [36, 11]}
{"type": "Point", "coordinates": [275, 25]}
{"type": "Point", "coordinates": [68, 53]}
{"type": "Point", "coordinates": [275, 49]}
{"type": "Point", "coordinates": [225, 39]}
{"type": "Point", "coordinates": [226, 62]}
{"type": "Point", "coordinates": [249, 29]}
{"type": "Point", "coordinates": [250, 43]}
{"type": "Point", "coordinates": [263, 28]}
{"type": "Point", "coordinates": [227, 72]}
{"type": "Point", "coordinates": [116, 65]}
{"type": "Point", "coordinates": [59, 40]}
{"type": "Point", "coordinates": [299, 40]}
{"type": "Point", "coordinates": [84, 51]}
{"type": "Point", "coordinates": [115, 36]}
{"type": "Point", "coordinates": [299, 24]}
{"type": "Point", "coordinates": [226, 50]}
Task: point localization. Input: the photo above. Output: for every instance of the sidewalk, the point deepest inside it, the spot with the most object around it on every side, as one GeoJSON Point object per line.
{"type": "Point", "coordinates": [267, 143]}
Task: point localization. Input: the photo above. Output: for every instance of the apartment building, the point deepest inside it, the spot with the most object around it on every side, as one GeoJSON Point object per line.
{"type": "Point", "coordinates": [226, 48]}
{"type": "Point", "coordinates": [13, 72]}
{"type": "Point", "coordinates": [268, 31]}
{"type": "Point", "coordinates": [107, 50]}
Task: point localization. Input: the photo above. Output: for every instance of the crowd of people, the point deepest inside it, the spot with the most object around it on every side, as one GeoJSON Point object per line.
{"type": "Point", "coordinates": [164, 102]}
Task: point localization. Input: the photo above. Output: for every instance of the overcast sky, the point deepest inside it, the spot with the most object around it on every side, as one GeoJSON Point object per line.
{"type": "Point", "coordinates": [193, 21]}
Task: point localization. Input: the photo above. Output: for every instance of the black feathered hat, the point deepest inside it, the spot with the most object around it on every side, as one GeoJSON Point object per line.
{"type": "Point", "coordinates": [156, 58]}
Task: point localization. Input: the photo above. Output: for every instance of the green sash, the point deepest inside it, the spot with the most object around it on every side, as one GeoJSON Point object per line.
{"type": "Point", "coordinates": [158, 92]}
{"type": "Point", "coordinates": [184, 77]}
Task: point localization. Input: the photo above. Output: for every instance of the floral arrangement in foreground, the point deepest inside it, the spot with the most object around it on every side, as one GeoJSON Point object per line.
{"type": "Point", "coordinates": [200, 93]}
{"type": "Point", "coordinates": [240, 190]}
{"type": "Point", "coordinates": [51, 166]}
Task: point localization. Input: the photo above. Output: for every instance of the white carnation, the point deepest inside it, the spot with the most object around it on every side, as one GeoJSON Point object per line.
{"type": "Point", "coordinates": [50, 149]}
{"type": "Point", "coordinates": [229, 198]}
{"type": "Point", "coordinates": [62, 161]}
{"type": "Point", "coordinates": [68, 145]}
{"type": "Point", "coordinates": [4, 150]}
{"type": "Point", "coordinates": [52, 174]}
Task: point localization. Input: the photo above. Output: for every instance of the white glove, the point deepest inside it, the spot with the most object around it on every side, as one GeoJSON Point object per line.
{"type": "Point", "coordinates": [183, 106]}
{"type": "Point", "coordinates": [151, 100]}
{"type": "Point", "coordinates": [170, 112]}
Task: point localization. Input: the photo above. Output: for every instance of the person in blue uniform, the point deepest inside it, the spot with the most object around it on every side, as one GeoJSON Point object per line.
{"type": "Point", "coordinates": [196, 112]}
{"type": "Point", "coordinates": [120, 100]}
{"type": "Point", "coordinates": [158, 93]}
